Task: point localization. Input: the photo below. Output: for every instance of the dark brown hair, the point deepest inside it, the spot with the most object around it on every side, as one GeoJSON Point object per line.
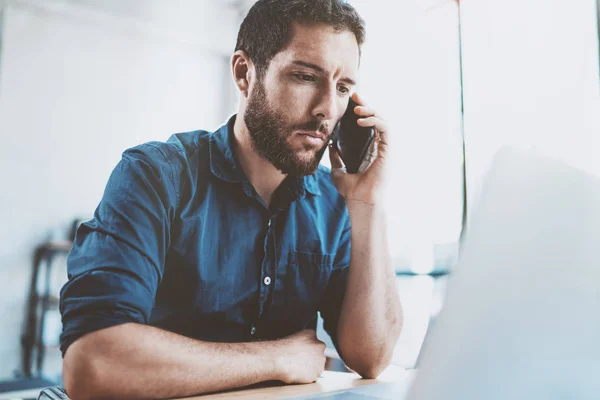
{"type": "Point", "coordinates": [267, 27]}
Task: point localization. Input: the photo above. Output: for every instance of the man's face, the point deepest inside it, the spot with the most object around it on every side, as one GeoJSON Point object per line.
{"type": "Point", "coordinates": [292, 110]}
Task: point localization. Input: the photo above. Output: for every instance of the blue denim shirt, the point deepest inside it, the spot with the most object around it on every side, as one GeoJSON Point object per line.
{"type": "Point", "coordinates": [182, 241]}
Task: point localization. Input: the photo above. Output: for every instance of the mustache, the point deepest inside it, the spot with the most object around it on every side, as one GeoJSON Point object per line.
{"type": "Point", "coordinates": [318, 126]}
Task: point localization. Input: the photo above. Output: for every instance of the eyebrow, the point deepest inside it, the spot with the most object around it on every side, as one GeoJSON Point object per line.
{"type": "Point", "coordinates": [320, 69]}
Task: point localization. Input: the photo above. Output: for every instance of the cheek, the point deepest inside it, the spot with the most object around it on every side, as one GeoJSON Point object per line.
{"type": "Point", "coordinates": [291, 105]}
{"type": "Point", "coordinates": [292, 100]}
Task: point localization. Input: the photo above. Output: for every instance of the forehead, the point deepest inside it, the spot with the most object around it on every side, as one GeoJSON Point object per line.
{"type": "Point", "coordinates": [322, 45]}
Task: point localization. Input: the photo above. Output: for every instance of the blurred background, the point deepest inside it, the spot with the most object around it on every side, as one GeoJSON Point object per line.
{"type": "Point", "coordinates": [82, 80]}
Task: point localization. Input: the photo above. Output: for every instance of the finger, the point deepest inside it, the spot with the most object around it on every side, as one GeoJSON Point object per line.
{"type": "Point", "coordinates": [358, 99]}
{"type": "Point", "coordinates": [373, 122]}
{"type": "Point", "coordinates": [370, 157]}
{"type": "Point", "coordinates": [364, 111]}
{"type": "Point", "coordinates": [382, 137]}
{"type": "Point", "coordinates": [336, 161]}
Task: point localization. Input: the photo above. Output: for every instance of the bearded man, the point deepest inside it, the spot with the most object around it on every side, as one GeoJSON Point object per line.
{"type": "Point", "coordinates": [210, 255]}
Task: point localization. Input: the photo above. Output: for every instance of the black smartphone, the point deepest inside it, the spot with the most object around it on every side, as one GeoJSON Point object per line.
{"type": "Point", "coordinates": [353, 141]}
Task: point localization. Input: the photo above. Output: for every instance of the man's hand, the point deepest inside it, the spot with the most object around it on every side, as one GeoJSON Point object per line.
{"type": "Point", "coordinates": [363, 187]}
{"type": "Point", "coordinates": [300, 357]}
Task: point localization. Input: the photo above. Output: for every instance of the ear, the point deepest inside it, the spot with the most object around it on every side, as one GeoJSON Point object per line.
{"type": "Point", "coordinates": [242, 70]}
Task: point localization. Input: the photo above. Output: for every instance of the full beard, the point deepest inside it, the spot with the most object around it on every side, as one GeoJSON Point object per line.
{"type": "Point", "coordinates": [269, 135]}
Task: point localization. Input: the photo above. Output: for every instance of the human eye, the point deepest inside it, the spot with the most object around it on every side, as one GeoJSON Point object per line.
{"type": "Point", "coordinates": [305, 77]}
{"type": "Point", "coordinates": [344, 90]}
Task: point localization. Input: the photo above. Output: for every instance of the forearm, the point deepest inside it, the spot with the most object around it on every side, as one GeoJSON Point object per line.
{"type": "Point", "coordinates": [371, 315]}
{"type": "Point", "coordinates": [135, 361]}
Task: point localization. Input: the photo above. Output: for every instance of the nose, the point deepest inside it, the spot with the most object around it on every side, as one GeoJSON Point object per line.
{"type": "Point", "coordinates": [326, 106]}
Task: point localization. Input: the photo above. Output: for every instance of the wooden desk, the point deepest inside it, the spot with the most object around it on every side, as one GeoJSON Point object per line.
{"type": "Point", "coordinates": [329, 382]}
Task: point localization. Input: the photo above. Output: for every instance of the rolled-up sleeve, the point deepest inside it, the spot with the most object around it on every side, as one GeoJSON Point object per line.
{"type": "Point", "coordinates": [118, 257]}
{"type": "Point", "coordinates": [336, 287]}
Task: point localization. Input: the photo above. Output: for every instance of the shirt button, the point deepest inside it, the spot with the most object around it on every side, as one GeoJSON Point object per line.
{"type": "Point", "coordinates": [253, 330]}
{"type": "Point", "coordinates": [267, 280]}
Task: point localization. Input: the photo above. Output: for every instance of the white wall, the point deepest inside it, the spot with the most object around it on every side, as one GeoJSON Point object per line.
{"type": "Point", "coordinates": [531, 80]}
{"type": "Point", "coordinates": [78, 85]}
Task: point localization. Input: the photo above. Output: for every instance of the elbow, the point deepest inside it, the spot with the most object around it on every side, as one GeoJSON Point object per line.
{"type": "Point", "coordinates": [375, 354]}
{"type": "Point", "coordinates": [370, 367]}
{"type": "Point", "coordinates": [371, 372]}
{"type": "Point", "coordinates": [370, 361]}
{"type": "Point", "coordinates": [80, 374]}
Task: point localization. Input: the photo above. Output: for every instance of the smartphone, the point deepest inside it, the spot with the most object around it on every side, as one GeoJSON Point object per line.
{"type": "Point", "coordinates": [353, 142]}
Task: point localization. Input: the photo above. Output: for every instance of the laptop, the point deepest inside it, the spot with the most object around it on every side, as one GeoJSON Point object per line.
{"type": "Point", "coordinates": [521, 318]}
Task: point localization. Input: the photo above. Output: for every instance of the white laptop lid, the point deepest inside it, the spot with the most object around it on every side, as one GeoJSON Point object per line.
{"type": "Point", "coordinates": [522, 314]}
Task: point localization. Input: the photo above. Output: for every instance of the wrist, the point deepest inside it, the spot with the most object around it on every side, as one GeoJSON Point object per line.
{"type": "Point", "coordinates": [374, 198]}
{"type": "Point", "coordinates": [272, 359]}
{"type": "Point", "coordinates": [361, 206]}
{"type": "Point", "coordinates": [365, 215]}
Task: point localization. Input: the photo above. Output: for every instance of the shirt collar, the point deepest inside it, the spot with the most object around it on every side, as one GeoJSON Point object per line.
{"type": "Point", "coordinates": [224, 165]}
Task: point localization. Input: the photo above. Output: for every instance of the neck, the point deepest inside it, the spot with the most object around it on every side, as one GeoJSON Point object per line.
{"type": "Point", "coordinates": [263, 176]}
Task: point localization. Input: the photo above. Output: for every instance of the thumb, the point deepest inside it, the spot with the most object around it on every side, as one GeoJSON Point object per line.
{"type": "Point", "coordinates": [335, 159]}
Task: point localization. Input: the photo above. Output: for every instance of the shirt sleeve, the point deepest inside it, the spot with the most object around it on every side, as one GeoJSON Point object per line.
{"type": "Point", "coordinates": [118, 257]}
{"type": "Point", "coordinates": [336, 287]}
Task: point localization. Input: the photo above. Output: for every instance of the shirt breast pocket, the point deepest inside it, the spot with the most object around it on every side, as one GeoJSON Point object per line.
{"type": "Point", "coordinates": [305, 280]}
